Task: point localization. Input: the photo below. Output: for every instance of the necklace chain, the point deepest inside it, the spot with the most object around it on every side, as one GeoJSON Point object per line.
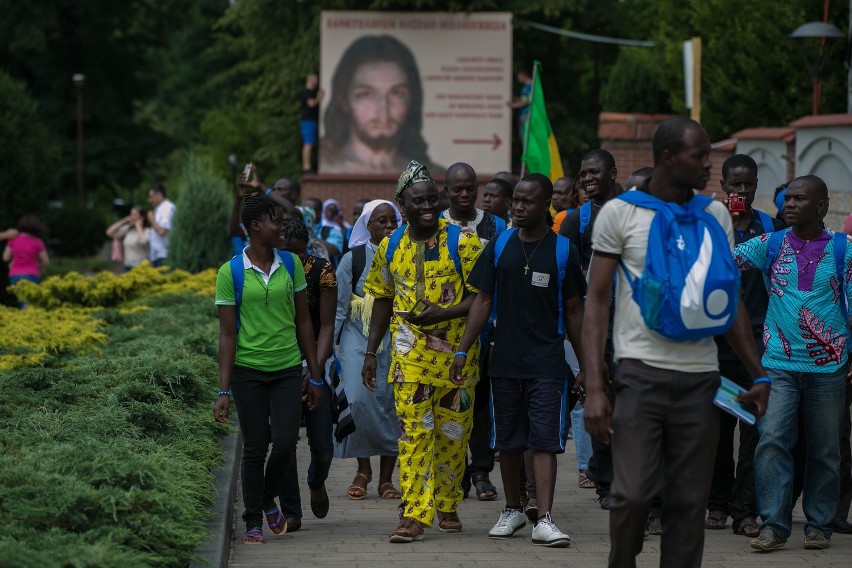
{"type": "Point", "coordinates": [265, 288]}
{"type": "Point", "coordinates": [529, 258]}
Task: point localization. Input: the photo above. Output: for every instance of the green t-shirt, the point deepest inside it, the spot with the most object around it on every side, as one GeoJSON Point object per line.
{"type": "Point", "coordinates": [267, 338]}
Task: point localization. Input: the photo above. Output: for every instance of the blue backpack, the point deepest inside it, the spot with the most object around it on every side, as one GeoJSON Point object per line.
{"type": "Point", "coordinates": [765, 220]}
{"type": "Point", "coordinates": [238, 275]}
{"type": "Point", "coordinates": [453, 235]}
{"type": "Point", "coordinates": [585, 219]}
{"type": "Point", "coordinates": [690, 287]}
{"type": "Point", "coordinates": [563, 251]}
{"type": "Point", "coordinates": [840, 242]}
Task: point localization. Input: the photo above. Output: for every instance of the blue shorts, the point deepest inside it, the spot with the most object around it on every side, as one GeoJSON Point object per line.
{"type": "Point", "coordinates": [310, 130]}
{"type": "Point", "coordinates": [529, 414]}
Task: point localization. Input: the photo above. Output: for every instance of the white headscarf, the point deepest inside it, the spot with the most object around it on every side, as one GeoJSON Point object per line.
{"type": "Point", "coordinates": [325, 221]}
{"type": "Point", "coordinates": [360, 234]}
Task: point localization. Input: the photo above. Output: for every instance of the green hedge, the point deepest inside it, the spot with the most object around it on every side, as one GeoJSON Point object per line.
{"type": "Point", "coordinates": [106, 458]}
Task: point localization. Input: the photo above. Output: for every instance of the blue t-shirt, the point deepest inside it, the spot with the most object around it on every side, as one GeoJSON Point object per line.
{"type": "Point", "coordinates": [526, 91]}
{"type": "Point", "coordinates": [804, 330]}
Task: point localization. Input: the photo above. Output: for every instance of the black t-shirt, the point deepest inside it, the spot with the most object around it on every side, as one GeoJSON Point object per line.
{"type": "Point", "coordinates": [527, 342]}
{"type": "Point", "coordinates": [570, 228]}
{"type": "Point", "coordinates": [754, 293]}
{"type": "Point", "coordinates": [308, 112]}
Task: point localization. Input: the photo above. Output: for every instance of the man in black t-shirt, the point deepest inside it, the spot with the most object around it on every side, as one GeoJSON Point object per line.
{"type": "Point", "coordinates": [309, 121]}
{"type": "Point", "coordinates": [529, 375]}
{"type": "Point", "coordinates": [731, 494]}
{"type": "Point", "coordinates": [597, 177]}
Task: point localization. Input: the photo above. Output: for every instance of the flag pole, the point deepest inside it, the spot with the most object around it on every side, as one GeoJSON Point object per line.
{"type": "Point", "coordinates": [529, 118]}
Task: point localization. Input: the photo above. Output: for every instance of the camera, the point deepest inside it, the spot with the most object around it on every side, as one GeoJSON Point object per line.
{"type": "Point", "coordinates": [736, 203]}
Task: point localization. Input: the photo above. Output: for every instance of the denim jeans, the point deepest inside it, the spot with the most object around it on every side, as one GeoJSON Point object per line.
{"type": "Point", "coordinates": [260, 396]}
{"type": "Point", "coordinates": [319, 423]}
{"type": "Point", "coordinates": [582, 440]}
{"type": "Point", "coordinates": [820, 397]}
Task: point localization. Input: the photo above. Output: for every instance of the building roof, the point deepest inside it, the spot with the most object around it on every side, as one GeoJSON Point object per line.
{"type": "Point", "coordinates": [784, 133]}
{"type": "Point", "coordinates": [628, 126]}
{"type": "Point", "coordinates": [823, 120]}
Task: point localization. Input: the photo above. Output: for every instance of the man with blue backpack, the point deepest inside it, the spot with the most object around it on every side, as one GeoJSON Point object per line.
{"type": "Point", "coordinates": [530, 278]}
{"type": "Point", "coordinates": [677, 287]}
{"type": "Point", "coordinates": [806, 332]}
{"type": "Point", "coordinates": [732, 494]}
{"type": "Point", "coordinates": [462, 189]}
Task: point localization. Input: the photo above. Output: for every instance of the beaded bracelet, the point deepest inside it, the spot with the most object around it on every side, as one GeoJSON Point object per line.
{"type": "Point", "coordinates": [224, 393]}
{"type": "Point", "coordinates": [759, 380]}
{"type": "Point", "coordinates": [461, 354]}
{"type": "Point", "coordinates": [315, 383]}
{"type": "Point", "coordinates": [370, 353]}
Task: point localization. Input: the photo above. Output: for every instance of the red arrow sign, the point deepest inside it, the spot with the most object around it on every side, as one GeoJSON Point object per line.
{"type": "Point", "coordinates": [495, 140]}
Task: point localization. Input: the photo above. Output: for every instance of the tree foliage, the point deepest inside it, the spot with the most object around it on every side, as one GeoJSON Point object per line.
{"type": "Point", "coordinates": [26, 149]}
{"type": "Point", "coordinates": [198, 238]}
{"type": "Point", "coordinates": [634, 84]}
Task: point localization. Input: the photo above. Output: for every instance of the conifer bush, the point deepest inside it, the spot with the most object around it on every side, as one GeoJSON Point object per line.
{"type": "Point", "coordinates": [107, 451]}
{"type": "Point", "coordinates": [199, 237]}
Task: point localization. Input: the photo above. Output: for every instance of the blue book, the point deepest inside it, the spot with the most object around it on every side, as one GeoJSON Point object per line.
{"type": "Point", "coordinates": [724, 399]}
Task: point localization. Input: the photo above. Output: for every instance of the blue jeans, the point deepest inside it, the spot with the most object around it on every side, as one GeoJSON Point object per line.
{"type": "Point", "coordinates": [319, 423]}
{"type": "Point", "coordinates": [582, 439]}
{"type": "Point", "coordinates": [820, 397]}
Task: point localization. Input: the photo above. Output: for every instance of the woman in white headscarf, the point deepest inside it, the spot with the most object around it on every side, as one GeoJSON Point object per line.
{"type": "Point", "coordinates": [377, 428]}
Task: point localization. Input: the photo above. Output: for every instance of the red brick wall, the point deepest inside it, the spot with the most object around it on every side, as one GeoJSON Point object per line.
{"type": "Point", "coordinates": [630, 156]}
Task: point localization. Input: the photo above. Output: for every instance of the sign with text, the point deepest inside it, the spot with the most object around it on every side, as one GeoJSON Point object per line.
{"type": "Point", "coordinates": [431, 87]}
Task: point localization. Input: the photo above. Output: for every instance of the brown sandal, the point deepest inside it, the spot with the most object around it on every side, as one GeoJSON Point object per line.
{"type": "Point", "coordinates": [716, 520]}
{"type": "Point", "coordinates": [388, 491]}
{"type": "Point", "coordinates": [358, 489]}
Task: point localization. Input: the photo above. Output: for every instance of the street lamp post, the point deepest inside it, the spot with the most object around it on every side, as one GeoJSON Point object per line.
{"type": "Point", "coordinates": [79, 80]}
{"type": "Point", "coordinates": [825, 32]}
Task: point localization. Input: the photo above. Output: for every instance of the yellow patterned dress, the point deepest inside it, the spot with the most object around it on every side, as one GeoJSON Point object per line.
{"type": "Point", "coordinates": [434, 413]}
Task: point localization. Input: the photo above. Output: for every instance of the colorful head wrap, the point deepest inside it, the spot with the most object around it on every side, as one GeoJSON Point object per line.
{"type": "Point", "coordinates": [414, 172]}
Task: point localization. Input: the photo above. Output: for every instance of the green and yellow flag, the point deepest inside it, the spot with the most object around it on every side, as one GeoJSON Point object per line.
{"type": "Point", "coordinates": [541, 154]}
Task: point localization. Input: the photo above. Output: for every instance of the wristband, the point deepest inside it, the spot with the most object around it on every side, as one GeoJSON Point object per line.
{"type": "Point", "coordinates": [370, 353]}
{"type": "Point", "coordinates": [759, 380]}
{"type": "Point", "coordinates": [461, 354]}
{"type": "Point", "coordinates": [224, 393]}
{"type": "Point", "coordinates": [315, 383]}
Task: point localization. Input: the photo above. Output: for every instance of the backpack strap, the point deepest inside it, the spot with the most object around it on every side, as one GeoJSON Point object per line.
{"type": "Point", "coordinates": [500, 225]}
{"type": "Point", "coordinates": [765, 220]}
{"type": "Point", "coordinates": [359, 263]}
{"type": "Point", "coordinates": [840, 243]}
{"type": "Point", "coordinates": [563, 252]}
{"type": "Point", "coordinates": [585, 219]}
{"type": "Point", "coordinates": [290, 265]}
{"type": "Point", "coordinates": [500, 244]}
{"type": "Point", "coordinates": [641, 199]}
{"type": "Point", "coordinates": [453, 235]}
{"type": "Point", "coordinates": [393, 243]}
{"type": "Point", "coordinates": [238, 275]}
{"type": "Point", "coordinates": [773, 248]}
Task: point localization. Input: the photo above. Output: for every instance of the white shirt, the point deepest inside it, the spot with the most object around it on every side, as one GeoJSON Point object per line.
{"type": "Point", "coordinates": [163, 215]}
{"type": "Point", "coordinates": [622, 228]}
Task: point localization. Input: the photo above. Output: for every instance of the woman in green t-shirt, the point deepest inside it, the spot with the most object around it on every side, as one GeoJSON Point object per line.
{"type": "Point", "coordinates": [260, 360]}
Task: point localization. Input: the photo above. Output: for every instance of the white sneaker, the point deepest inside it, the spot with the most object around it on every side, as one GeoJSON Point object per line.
{"type": "Point", "coordinates": [545, 533]}
{"type": "Point", "coordinates": [510, 522]}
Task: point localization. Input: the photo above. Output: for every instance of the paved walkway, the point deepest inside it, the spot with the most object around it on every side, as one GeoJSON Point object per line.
{"type": "Point", "coordinates": [354, 535]}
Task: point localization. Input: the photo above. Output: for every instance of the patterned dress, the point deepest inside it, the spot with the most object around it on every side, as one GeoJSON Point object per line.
{"type": "Point", "coordinates": [434, 413]}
